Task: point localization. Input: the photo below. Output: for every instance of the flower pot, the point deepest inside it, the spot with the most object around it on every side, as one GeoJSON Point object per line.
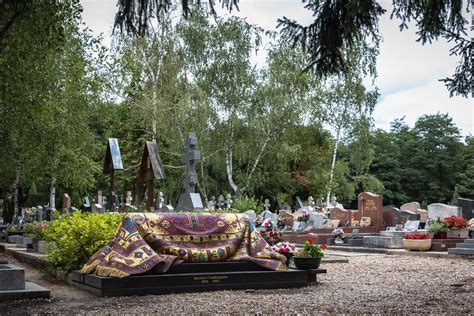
{"type": "Point", "coordinates": [41, 246]}
{"type": "Point", "coordinates": [440, 235]}
{"type": "Point", "coordinates": [458, 233]}
{"type": "Point", "coordinates": [417, 244]}
{"type": "Point", "coordinates": [306, 263]}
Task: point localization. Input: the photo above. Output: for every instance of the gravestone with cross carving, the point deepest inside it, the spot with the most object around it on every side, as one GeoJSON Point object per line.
{"type": "Point", "coordinates": [190, 200]}
{"type": "Point", "coordinates": [267, 205]}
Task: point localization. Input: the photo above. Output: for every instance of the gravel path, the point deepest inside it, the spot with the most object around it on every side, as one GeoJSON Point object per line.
{"type": "Point", "coordinates": [371, 284]}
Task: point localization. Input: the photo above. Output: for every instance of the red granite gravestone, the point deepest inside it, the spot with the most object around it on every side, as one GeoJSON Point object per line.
{"type": "Point", "coordinates": [66, 202]}
{"type": "Point", "coordinates": [370, 205]}
{"type": "Point", "coordinates": [343, 215]}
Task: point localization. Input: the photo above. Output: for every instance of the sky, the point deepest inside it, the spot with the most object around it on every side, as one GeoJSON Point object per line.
{"type": "Point", "coordinates": [408, 72]}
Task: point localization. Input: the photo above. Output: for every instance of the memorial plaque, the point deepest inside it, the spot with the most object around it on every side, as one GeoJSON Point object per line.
{"type": "Point", "coordinates": [370, 205]}
{"type": "Point", "coordinates": [406, 216]}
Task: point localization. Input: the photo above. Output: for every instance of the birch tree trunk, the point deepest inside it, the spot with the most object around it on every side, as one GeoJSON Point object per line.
{"type": "Point", "coordinates": [333, 164]}
{"type": "Point", "coordinates": [14, 188]}
{"type": "Point", "coordinates": [52, 193]}
{"type": "Point", "coordinates": [228, 164]}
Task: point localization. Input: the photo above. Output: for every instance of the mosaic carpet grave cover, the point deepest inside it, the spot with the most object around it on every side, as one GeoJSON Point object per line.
{"type": "Point", "coordinates": [146, 241]}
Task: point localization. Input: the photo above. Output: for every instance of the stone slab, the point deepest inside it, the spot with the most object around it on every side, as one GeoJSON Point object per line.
{"type": "Point", "coordinates": [461, 251]}
{"type": "Point", "coordinates": [12, 277]}
{"type": "Point", "coordinates": [383, 242]}
{"type": "Point", "coordinates": [31, 291]}
{"type": "Point", "coordinates": [192, 282]}
{"type": "Point", "coordinates": [444, 244]}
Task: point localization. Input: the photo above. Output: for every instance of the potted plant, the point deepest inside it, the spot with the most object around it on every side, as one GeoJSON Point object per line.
{"type": "Point", "coordinates": [417, 241]}
{"type": "Point", "coordinates": [284, 248]}
{"type": "Point", "coordinates": [39, 229]}
{"type": "Point", "coordinates": [310, 256]}
{"type": "Point", "coordinates": [458, 225]}
{"type": "Point", "coordinates": [438, 228]}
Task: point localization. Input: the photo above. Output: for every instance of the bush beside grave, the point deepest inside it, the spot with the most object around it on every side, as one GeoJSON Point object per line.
{"type": "Point", "coordinates": [75, 237]}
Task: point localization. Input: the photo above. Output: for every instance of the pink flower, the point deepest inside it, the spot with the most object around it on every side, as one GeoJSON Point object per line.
{"type": "Point", "coordinates": [36, 225]}
{"type": "Point", "coordinates": [43, 226]}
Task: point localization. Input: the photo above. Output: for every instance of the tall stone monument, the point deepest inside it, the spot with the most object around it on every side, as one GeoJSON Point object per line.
{"type": "Point", "coordinates": [190, 200]}
{"type": "Point", "coordinates": [112, 162]}
{"type": "Point", "coordinates": [371, 205]}
{"type": "Point", "coordinates": [151, 168]}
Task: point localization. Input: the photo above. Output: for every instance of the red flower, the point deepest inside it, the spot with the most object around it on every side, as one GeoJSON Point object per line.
{"type": "Point", "coordinates": [310, 240]}
{"type": "Point", "coordinates": [324, 247]}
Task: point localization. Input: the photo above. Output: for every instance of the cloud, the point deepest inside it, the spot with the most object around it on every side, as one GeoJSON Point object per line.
{"type": "Point", "coordinates": [429, 98]}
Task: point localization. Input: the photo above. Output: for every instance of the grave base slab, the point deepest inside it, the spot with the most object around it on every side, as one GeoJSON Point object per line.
{"type": "Point", "coordinates": [31, 291]}
{"type": "Point", "coordinates": [205, 277]}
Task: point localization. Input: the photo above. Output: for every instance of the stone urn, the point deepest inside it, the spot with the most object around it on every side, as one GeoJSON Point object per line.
{"type": "Point", "coordinates": [458, 233]}
{"type": "Point", "coordinates": [417, 244]}
{"type": "Point", "coordinates": [307, 263]}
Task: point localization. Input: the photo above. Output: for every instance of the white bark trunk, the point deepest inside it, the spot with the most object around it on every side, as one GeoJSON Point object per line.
{"type": "Point", "coordinates": [333, 164]}
{"type": "Point", "coordinates": [228, 164]}
{"type": "Point", "coordinates": [14, 188]}
{"type": "Point", "coordinates": [52, 193]}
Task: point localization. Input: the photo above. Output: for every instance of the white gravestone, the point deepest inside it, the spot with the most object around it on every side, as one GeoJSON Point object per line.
{"type": "Point", "coordinates": [252, 216]}
{"type": "Point", "coordinates": [316, 219]}
{"type": "Point", "coordinates": [272, 216]}
{"type": "Point", "coordinates": [439, 210]}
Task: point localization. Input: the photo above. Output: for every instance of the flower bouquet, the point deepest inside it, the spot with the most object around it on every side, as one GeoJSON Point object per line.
{"type": "Point", "coordinates": [284, 248]}
{"type": "Point", "coordinates": [303, 217]}
{"type": "Point", "coordinates": [458, 225]}
{"type": "Point", "coordinates": [271, 236]}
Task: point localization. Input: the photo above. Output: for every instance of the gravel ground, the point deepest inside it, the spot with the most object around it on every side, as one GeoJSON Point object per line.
{"type": "Point", "coordinates": [378, 284]}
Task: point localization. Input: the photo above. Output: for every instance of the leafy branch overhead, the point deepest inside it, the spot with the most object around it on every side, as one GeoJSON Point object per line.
{"type": "Point", "coordinates": [338, 25]}
{"type": "Point", "coordinates": [137, 16]}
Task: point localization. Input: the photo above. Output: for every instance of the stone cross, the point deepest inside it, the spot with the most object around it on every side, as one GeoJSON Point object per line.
{"type": "Point", "coordinates": [161, 200]}
{"type": "Point", "coordinates": [211, 205]}
{"type": "Point", "coordinates": [228, 201]}
{"type": "Point", "coordinates": [129, 198]}
{"type": "Point", "coordinates": [220, 202]}
{"type": "Point", "coordinates": [39, 213]}
{"type": "Point", "coordinates": [311, 201]}
{"type": "Point", "coordinates": [189, 158]}
{"type": "Point", "coordinates": [266, 205]}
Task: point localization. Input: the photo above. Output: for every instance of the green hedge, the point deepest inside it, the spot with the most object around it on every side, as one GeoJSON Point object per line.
{"type": "Point", "coordinates": [75, 237]}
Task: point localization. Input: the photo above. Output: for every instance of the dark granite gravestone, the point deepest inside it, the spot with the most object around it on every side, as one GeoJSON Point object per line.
{"type": "Point", "coordinates": [405, 216]}
{"type": "Point", "coordinates": [343, 215]}
{"type": "Point", "coordinates": [467, 206]}
{"type": "Point", "coordinates": [112, 162]}
{"type": "Point", "coordinates": [196, 277]}
{"type": "Point", "coordinates": [390, 215]}
{"type": "Point", "coordinates": [278, 205]}
{"type": "Point", "coordinates": [299, 202]}
{"type": "Point", "coordinates": [190, 200]}
{"type": "Point", "coordinates": [151, 168]}
{"type": "Point", "coordinates": [370, 205]}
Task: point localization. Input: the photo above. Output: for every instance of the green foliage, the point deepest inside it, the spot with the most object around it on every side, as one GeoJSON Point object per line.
{"type": "Point", "coordinates": [437, 226]}
{"type": "Point", "coordinates": [76, 236]}
{"type": "Point", "coordinates": [244, 203]}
